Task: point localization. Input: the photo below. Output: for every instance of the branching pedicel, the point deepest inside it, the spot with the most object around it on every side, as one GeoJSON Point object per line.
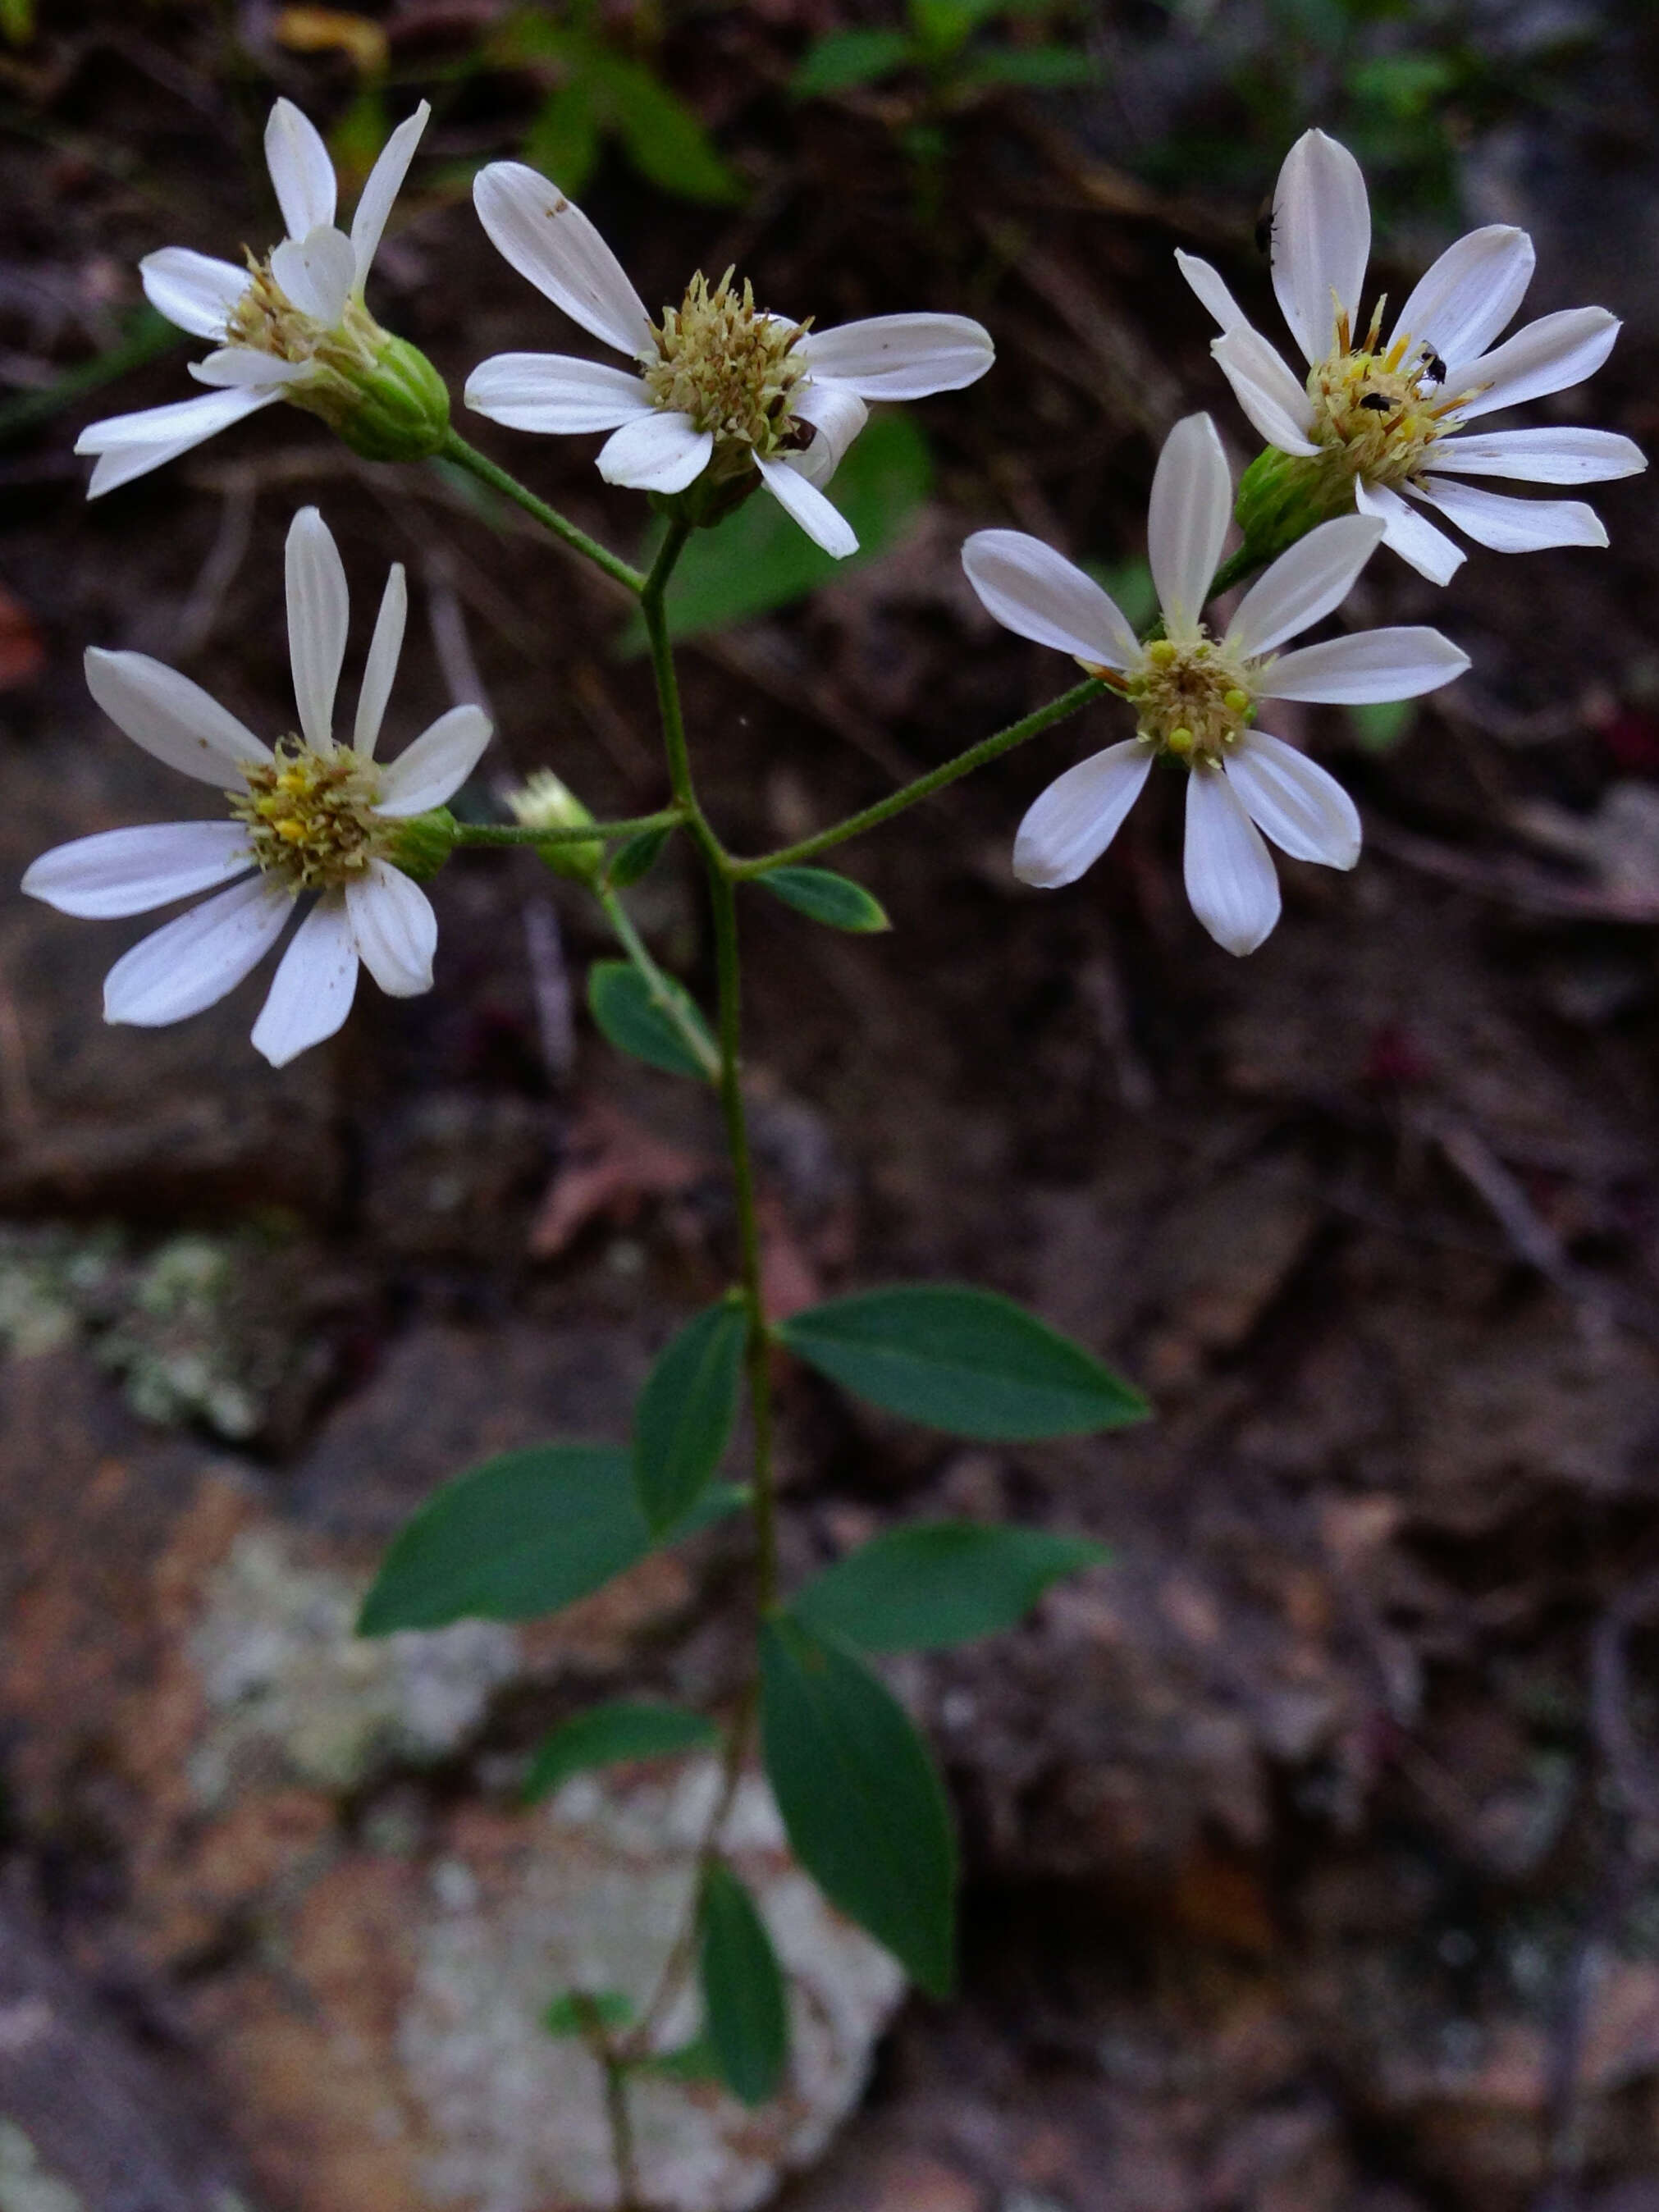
{"type": "Point", "coordinates": [720, 399]}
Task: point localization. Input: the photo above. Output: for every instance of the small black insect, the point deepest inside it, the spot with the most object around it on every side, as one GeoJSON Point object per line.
{"type": "Point", "coordinates": [1434, 369]}
{"type": "Point", "coordinates": [1378, 404]}
{"type": "Point", "coordinates": [1264, 228]}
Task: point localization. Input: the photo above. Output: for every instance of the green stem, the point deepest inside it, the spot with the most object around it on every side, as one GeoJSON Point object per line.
{"type": "Point", "coordinates": [1234, 570]}
{"type": "Point", "coordinates": [503, 833]}
{"type": "Point", "coordinates": [989, 749]}
{"type": "Point", "coordinates": [455, 448]}
{"type": "Point", "coordinates": [664, 997]}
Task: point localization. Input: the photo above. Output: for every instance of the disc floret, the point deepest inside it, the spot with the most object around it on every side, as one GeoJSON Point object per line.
{"type": "Point", "coordinates": [729, 367]}
{"type": "Point", "coordinates": [309, 815]}
{"type": "Point", "coordinates": [1192, 699]}
{"type": "Point", "coordinates": [1379, 410]}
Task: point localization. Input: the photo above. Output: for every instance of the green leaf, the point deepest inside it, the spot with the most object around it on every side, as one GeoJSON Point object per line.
{"type": "Point", "coordinates": [693, 2062]}
{"type": "Point", "coordinates": [742, 1991]}
{"type": "Point", "coordinates": [623, 1003]}
{"type": "Point", "coordinates": [605, 1735]}
{"type": "Point", "coordinates": [834, 900]}
{"type": "Point", "coordinates": [842, 59]}
{"type": "Point", "coordinates": [964, 1360]}
{"type": "Point", "coordinates": [1035, 69]}
{"type": "Point", "coordinates": [637, 858]}
{"type": "Point", "coordinates": [860, 1798]}
{"type": "Point", "coordinates": [525, 1533]}
{"type": "Point", "coordinates": [684, 1413]}
{"type": "Point", "coordinates": [664, 140]}
{"type": "Point", "coordinates": [758, 559]}
{"type": "Point", "coordinates": [17, 22]}
{"type": "Point", "coordinates": [939, 1583]}
{"type": "Point", "coordinates": [579, 2012]}
{"type": "Point", "coordinates": [563, 141]}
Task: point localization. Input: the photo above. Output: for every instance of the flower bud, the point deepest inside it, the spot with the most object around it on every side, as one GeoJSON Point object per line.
{"type": "Point", "coordinates": [546, 802]}
{"type": "Point", "coordinates": [421, 845]}
{"type": "Point", "coordinates": [1282, 496]}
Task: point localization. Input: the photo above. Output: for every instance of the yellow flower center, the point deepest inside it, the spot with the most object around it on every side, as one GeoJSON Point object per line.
{"type": "Point", "coordinates": [1193, 701]}
{"type": "Point", "coordinates": [1377, 410]}
{"type": "Point", "coordinates": [732, 368]}
{"type": "Point", "coordinates": [266, 320]}
{"type": "Point", "coordinates": [308, 814]}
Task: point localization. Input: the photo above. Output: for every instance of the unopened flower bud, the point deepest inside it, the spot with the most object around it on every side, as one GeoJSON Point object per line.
{"type": "Point", "coordinates": [546, 802]}
{"type": "Point", "coordinates": [399, 407]}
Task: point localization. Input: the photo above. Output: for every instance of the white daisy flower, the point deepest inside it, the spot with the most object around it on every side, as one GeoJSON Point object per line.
{"type": "Point", "coordinates": [719, 388]}
{"type": "Point", "coordinates": [292, 327]}
{"type": "Point", "coordinates": [1388, 417]}
{"type": "Point", "coordinates": [1195, 697]}
{"type": "Point", "coordinates": [308, 816]}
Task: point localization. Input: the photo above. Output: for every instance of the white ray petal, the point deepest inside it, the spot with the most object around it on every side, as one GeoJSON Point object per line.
{"type": "Point", "coordinates": [900, 356]}
{"type": "Point", "coordinates": [551, 244]}
{"type": "Point", "coordinates": [384, 183]}
{"type": "Point", "coordinates": [121, 871]}
{"type": "Point", "coordinates": [1370, 665]}
{"type": "Point", "coordinates": [122, 464]}
{"type": "Point", "coordinates": [1273, 398]}
{"type": "Point", "coordinates": [1212, 292]}
{"type": "Point", "coordinates": [316, 271]}
{"type": "Point", "coordinates": [192, 290]}
{"type": "Point", "coordinates": [1192, 503]}
{"type": "Point", "coordinates": [1068, 828]}
{"type": "Point", "coordinates": [555, 393]}
{"type": "Point", "coordinates": [822, 521]}
{"type": "Point", "coordinates": [1408, 534]}
{"type": "Point", "coordinates": [315, 982]}
{"type": "Point", "coordinates": [171, 718]}
{"type": "Point", "coordinates": [433, 769]}
{"type": "Point", "coordinates": [301, 175]}
{"type": "Point", "coordinates": [190, 963]}
{"type": "Point", "coordinates": [178, 425]}
{"type": "Point", "coordinates": [240, 368]}
{"type": "Point", "coordinates": [1551, 456]}
{"type": "Point", "coordinates": [395, 929]}
{"type": "Point", "coordinates": [1551, 354]}
{"type": "Point", "coordinates": [1514, 526]}
{"type": "Point", "coordinates": [319, 611]}
{"type": "Point", "coordinates": [1304, 585]}
{"type": "Point", "coordinates": [1038, 593]}
{"type": "Point", "coordinates": [1465, 298]}
{"type": "Point", "coordinates": [837, 414]}
{"type": "Point", "coordinates": [658, 451]}
{"type": "Point", "coordinates": [1292, 799]}
{"type": "Point", "coordinates": [1230, 873]}
{"type": "Point", "coordinates": [382, 665]}
{"type": "Point", "coordinates": [1321, 240]}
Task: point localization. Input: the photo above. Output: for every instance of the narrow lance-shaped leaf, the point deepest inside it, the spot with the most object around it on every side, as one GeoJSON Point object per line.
{"type": "Point", "coordinates": [967, 1361]}
{"type": "Point", "coordinates": [943, 1582]}
{"type": "Point", "coordinates": [627, 1008]}
{"type": "Point", "coordinates": [525, 1534]}
{"type": "Point", "coordinates": [860, 1798]}
{"type": "Point", "coordinates": [835, 901]}
{"type": "Point", "coordinates": [635, 859]}
{"type": "Point", "coordinates": [606, 1733]}
{"type": "Point", "coordinates": [684, 1413]}
{"type": "Point", "coordinates": [744, 2002]}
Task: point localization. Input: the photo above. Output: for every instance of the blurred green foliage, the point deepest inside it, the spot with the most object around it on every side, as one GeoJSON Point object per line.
{"type": "Point", "coordinates": [17, 22]}
{"type": "Point", "coordinates": [940, 42]}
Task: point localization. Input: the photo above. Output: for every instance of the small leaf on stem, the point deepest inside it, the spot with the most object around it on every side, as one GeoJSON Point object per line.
{"type": "Point", "coordinates": [967, 1361]}
{"type": "Point", "coordinates": [834, 900]}
{"type": "Point", "coordinates": [580, 2012]}
{"type": "Point", "coordinates": [939, 1583]}
{"type": "Point", "coordinates": [637, 857]}
{"type": "Point", "coordinates": [743, 1992]}
{"type": "Point", "coordinates": [626, 1006]}
{"type": "Point", "coordinates": [684, 1414]}
{"type": "Point", "coordinates": [607, 1734]}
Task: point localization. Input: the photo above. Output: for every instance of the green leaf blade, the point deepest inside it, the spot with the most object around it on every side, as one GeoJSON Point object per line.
{"type": "Point", "coordinates": [939, 1583]}
{"type": "Point", "coordinates": [635, 859]}
{"type": "Point", "coordinates": [606, 1734]}
{"type": "Point", "coordinates": [967, 1361]}
{"type": "Point", "coordinates": [684, 1414]}
{"type": "Point", "coordinates": [835, 901]}
{"type": "Point", "coordinates": [629, 1013]}
{"type": "Point", "coordinates": [525, 1534]}
{"type": "Point", "coordinates": [583, 2012]}
{"type": "Point", "coordinates": [861, 1797]}
{"type": "Point", "coordinates": [744, 1997]}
